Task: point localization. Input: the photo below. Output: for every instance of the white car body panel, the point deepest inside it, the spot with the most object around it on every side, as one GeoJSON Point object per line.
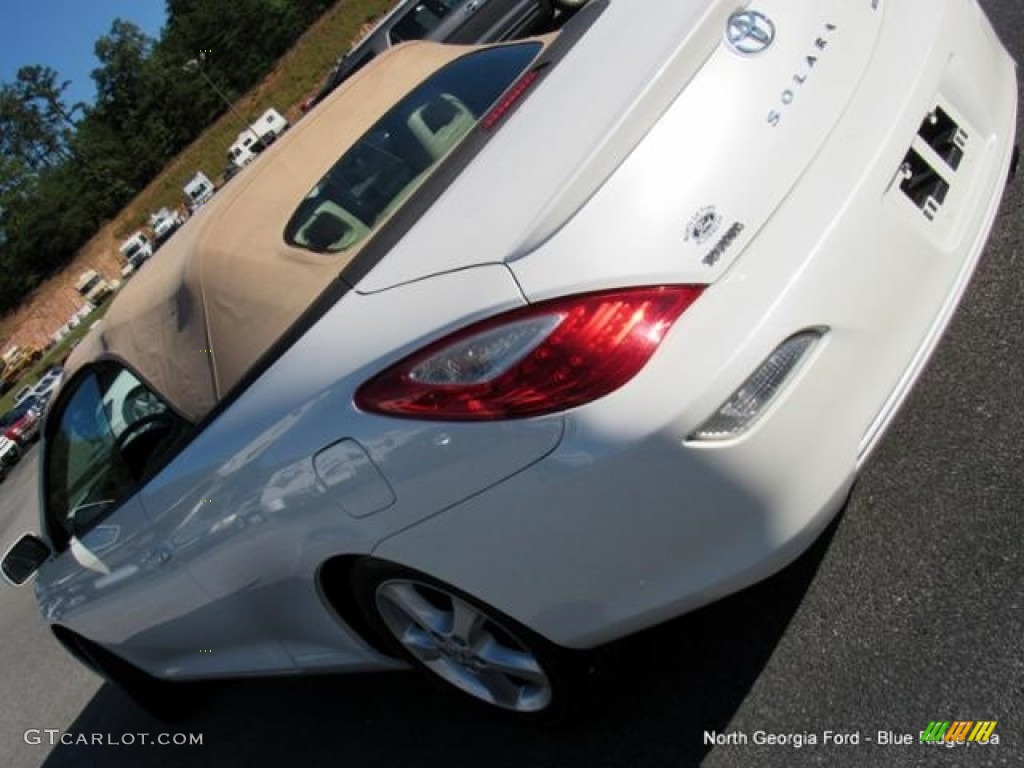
{"type": "Point", "coordinates": [545, 174]}
{"type": "Point", "coordinates": [717, 114]}
{"type": "Point", "coordinates": [747, 507]}
{"type": "Point", "coordinates": [597, 522]}
{"type": "Point", "coordinates": [257, 466]}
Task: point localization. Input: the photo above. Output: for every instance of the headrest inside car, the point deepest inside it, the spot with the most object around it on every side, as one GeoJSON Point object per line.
{"type": "Point", "coordinates": [438, 114]}
{"type": "Point", "coordinates": [325, 231]}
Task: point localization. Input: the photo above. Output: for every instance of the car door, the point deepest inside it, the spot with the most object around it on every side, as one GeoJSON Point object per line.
{"type": "Point", "coordinates": [112, 578]}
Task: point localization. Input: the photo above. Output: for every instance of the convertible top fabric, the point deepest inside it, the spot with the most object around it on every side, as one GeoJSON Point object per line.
{"type": "Point", "coordinates": [227, 286]}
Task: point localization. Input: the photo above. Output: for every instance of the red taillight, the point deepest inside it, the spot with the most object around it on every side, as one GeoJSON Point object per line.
{"type": "Point", "coordinates": [540, 359]}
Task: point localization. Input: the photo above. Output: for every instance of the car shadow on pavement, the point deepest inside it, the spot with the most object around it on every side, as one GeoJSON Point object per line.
{"type": "Point", "coordinates": [672, 684]}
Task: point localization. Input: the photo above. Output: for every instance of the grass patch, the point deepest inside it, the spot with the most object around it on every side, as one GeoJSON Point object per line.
{"type": "Point", "coordinates": [53, 355]}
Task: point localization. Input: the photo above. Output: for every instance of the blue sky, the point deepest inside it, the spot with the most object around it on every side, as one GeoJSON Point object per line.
{"type": "Point", "coordinates": [61, 34]}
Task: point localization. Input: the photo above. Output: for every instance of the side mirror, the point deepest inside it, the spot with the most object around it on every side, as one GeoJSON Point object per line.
{"type": "Point", "coordinates": [24, 559]}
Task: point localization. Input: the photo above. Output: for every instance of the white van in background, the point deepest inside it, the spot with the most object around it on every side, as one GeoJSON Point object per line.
{"type": "Point", "coordinates": [257, 137]}
{"type": "Point", "coordinates": [198, 190]}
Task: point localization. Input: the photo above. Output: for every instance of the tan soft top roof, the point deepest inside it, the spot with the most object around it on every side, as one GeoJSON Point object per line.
{"type": "Point", "coordinates": [227, 286]}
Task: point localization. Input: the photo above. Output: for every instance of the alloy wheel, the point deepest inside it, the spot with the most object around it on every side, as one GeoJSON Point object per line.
{"type": "Point", "coordinates": [464, 645]}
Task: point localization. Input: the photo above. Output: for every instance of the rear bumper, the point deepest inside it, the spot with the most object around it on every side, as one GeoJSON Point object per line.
{"type": "Point", "coordinates": [628, 523]}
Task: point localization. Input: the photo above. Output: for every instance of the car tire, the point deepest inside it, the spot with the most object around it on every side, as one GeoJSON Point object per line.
{"type": "Point", "coordinates": [465, 645]}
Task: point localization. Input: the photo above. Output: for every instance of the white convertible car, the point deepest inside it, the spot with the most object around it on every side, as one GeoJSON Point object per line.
{"type": "Point", "coordinates": [510, 351]}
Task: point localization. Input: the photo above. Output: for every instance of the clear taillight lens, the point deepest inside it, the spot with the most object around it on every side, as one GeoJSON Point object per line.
{"type": "Point", "coordinates": [540, 359]}
{"type": "Point", "coordinates": [737, 414]}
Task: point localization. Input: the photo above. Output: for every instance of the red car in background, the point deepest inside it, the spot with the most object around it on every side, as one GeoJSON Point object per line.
{"type": "Point", "coordinates": [21, 423]}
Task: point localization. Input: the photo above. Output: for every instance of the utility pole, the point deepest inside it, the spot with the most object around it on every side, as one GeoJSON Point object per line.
{"type": "Point", "coordinates": [196, 65]}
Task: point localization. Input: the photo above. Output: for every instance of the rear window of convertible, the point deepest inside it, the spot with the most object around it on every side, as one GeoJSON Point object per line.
{"type": "Point", "coordinates": [394, 157]}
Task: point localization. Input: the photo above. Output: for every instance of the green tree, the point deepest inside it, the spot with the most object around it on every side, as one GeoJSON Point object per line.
{"type": "Point", "coordinates": [65, 169]}
{"type": "Point", "coordinates": [35, 125]}
{"type": "Point", "coordinates": [120, 81]}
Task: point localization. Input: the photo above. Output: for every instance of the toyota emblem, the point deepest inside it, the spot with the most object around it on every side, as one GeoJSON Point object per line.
{"type": "Point", "coordinates": [749, 32]}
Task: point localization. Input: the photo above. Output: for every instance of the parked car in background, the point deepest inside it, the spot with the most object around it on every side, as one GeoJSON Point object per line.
{"type": "Point", "coordinates": [446, 21]}
{"type": "Point", "coordinates": [136, 250]}
{"type": "Point", "coordinates": [22, 393]}
{"type": "Point", "coordinates": [48, 384]}
{"type": "Point", "coordinates": [15, 362]}
{"type": "Point", "coordinates": [164, 223]}
{"type": "Point", "coordinates": [10, 454]}
{"type": "Point", "coordinates": [21, 423]}
{"type": "Point", "coordinates": [94, 287]}
{"type": "Point", "coordinates": [198, 190]}
{"type": "Point", "coordinates": [256, 137]}
{"type": "Point", "coordinates": [511, 351]}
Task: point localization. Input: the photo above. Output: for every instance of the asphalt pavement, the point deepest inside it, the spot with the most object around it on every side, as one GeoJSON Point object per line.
{"type": "Point", "coordinates": [909, 610]}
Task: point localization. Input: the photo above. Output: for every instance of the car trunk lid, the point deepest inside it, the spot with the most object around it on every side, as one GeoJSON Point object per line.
{"type": "Point", "coordinates": [567, 193]}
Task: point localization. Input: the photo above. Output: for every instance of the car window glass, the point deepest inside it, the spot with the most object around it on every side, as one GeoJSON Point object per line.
{"type": "Point", "coordinates": [401, 149]}
{"type": "Point", "coordinates": [108, 434]}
